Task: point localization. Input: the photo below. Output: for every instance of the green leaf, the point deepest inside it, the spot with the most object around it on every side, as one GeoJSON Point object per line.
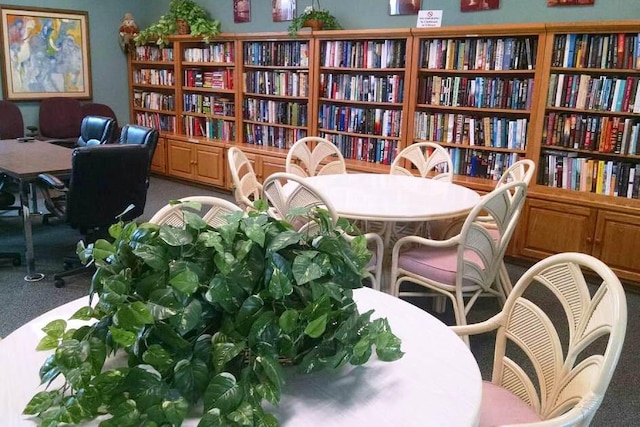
{"type": "Point", "coordinates": [388, 347]}
{"type": "Point", "coordinates": [41, 401]}
{"type": "Point", "coordinates": [174, 236]}
{"type": "Point", "coordinates": [158, 357]}
{"type": "Point", "coordinates": [47, 343]}
{"type": "Point", "coordinates": [132, 316]}
{"type": "Point", "coordinates": [288, 320]}
{"type": "Point", "coordinates": [316, 327]}
{"type": "Point", "coordinates": [256, 233]}
{"type": "Point", "coordinates": [248, 313]}
{"type": "Point", "coordinates": [190, 378]}
{"type": "Point", "coordinates": [212, 418]}
{"type": "Point", "coordinates": [122, 337]}
{"type": "Point", "coordinates": [49, 369]}
{"type": "Point", "coordinates": [175, 410]}
{"type": "Point", "coordinates": [153, 256]}
{"type": "Point", "coordinates": [186, 281]}
{"type": "Point", "coordinates": [72, 353]}
{"type": "Point", "coordinates": [243, 415]}
{"type": "Point", "coordinates": [261, 330]}
{"type": "Point", "coordinates": [222, 392]}
{"type": "Point", "coordinates": [272, 370]}
{"type": "Point", "coordinates": [97, 354]}
{"type": "Point", "coordinates": [283, 240]}
{"type": "Point", "coordinates": [189, 318]}
{"type": "Point", "coordinates": [84, 313]}
{"type": "Point", "coordinates": [305, 270]}
{"type": "Point", "coordinates": [279, 285]}
{"type": "Point", "coordinates": [55, 328]}
{"type": "Point", "coordinates": [194, 220]}
{"type": "Point", "coordinates": [224, 352]}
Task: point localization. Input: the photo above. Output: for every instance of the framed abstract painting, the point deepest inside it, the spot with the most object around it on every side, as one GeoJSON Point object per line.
{"type": "Point", "coordinates": [45, 53]}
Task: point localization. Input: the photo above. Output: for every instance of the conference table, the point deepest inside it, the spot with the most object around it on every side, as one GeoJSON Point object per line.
{"type": "Point", "coordinates": [436, 383]}
{"type": "Point", "coordinates": [24, 161]}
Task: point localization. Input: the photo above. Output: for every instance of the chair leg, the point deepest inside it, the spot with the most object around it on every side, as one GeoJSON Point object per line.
{"type": "Point", "coordinates": [505, 281]}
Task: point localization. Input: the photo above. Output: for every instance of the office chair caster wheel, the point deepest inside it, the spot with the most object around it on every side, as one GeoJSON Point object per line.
{"type": "Point", "coordinates": [58, 283]}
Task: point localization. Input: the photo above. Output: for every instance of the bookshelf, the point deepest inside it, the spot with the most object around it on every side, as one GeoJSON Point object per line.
{"type": "Point", "coordinates": [587, 153]}
{"type": "Point", "coordinates": [475, 89]}
{"type": "Point", "coordinates": [362, 87]}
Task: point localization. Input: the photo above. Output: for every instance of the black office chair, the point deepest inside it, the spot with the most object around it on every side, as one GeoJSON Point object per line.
{"type": "Point", "coordinates": [105, 180]}
{"type": "Point", "coordinates": [96, 130]}
{"type": "Point", "coordinates": [134, 134]}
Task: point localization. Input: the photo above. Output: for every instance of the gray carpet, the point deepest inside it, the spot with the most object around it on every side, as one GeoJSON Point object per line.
{"type": "Point", "coordinates": [21, 301]}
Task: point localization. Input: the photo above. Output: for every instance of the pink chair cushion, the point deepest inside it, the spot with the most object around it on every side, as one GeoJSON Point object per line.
{"type": "Point", "coordinates": [499, 407]}
{"type": "Point", "coordinates": [437, 264]}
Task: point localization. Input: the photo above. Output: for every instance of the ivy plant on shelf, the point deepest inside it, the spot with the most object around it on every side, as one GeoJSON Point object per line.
{"type": "Point", "coordinates": [314, 17]}
{"type": "Point", "coordinates": [207, 319]}
{"type": "Point", "coordinates": [187, 12]}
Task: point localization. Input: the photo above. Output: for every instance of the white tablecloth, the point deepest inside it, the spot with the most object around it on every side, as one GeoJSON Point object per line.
{"type": "Point", "coordinates": [436, 383]}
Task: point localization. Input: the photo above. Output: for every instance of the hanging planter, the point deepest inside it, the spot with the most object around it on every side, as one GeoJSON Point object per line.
{"type": "Point", "coordinates": [314, 18]}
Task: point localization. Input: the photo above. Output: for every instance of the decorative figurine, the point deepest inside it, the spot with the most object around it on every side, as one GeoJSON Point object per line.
{"type": "Point", "coordinates": [128, 29]}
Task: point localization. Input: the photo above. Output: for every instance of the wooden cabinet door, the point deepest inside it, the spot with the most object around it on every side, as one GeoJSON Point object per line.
{"type": "Point", "coordinates": [180, 157]}
{"type": "Point", "coordinates": [270, 165]}
{"type": "Point", "coordinates": [209, 165]}
{"type": "Point", "coordinates": [551, 227]}
{"type": "Point", "coordinates": [159, 161]}
{"type": "Point", "coordinates": [617, 243]}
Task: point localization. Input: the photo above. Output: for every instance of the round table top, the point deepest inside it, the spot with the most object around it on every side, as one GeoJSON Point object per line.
{"type": "Point", "coordinates": [437, 381]}
{"type": "Point", "coordinates": [387, 197]}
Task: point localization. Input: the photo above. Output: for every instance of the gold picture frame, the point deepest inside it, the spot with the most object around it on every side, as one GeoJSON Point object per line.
{"type": "Point", "coordinates": [45, 53]}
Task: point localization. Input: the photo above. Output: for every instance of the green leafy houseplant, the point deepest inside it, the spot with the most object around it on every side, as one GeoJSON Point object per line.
{"type": "Point", "coordinates": [207, 318]}
{"type": "Point", "coordinates": [329, 22]}
{"type": "Point", "coordinates": [192, 13]}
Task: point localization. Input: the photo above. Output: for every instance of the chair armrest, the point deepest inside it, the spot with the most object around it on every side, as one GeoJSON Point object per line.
{"type": "Point", "coordinates": [452, 241]}
{"type": "Point", "coordinates": [51, 181]}
{"type": "Point", "coordinates": [488, 325]}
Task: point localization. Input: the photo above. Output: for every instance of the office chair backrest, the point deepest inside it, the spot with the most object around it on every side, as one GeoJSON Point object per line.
{"type": "Point", "coordinates": [134, 134]}
{"type": "Point", "coordinates": [98, 109]}
{"type": "Point", "coordinates": [96, 130]}
{"type": "Point", "coordinates": [11, 122]}
{"type": "Point", "coordinates": [105, 180]}
{"type": "Point", "coordinates": [59, 118]}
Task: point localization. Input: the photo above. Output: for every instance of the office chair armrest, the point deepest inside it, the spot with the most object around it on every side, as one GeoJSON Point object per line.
{"type": "Point", "coordinates": [51, 181]}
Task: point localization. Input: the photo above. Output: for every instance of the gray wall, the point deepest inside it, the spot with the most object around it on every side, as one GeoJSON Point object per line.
{"type": "Point", "coordinates": [109, 63]}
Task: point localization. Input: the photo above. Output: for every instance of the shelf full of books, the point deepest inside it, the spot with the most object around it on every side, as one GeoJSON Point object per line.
{"type": "Point", "coordinates": [475, 96]}
{"type": "Point", "coordinates": [363, 82]}
{"type": "Point", "coordinates": [276, 91]}
{"type": "Point", "coordinates": [591, 122]}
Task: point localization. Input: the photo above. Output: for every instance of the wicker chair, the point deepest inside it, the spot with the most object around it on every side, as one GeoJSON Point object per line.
{"type": "Point", "coordinates": [212, 210]}
{"type": "Point", "coordinates": [286, 204]}
{"type": "Point", "coordinates": [246, 188]}
{"type": "Point", "coordinates": [313, 155]}
{"type": "Point", "coordinates": [430, 160]}
{"type": "Point", "coordinates": [553, 363]}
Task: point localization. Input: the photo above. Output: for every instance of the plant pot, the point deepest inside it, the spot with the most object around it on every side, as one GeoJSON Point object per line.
{"type": "Point", "coordinates": [314, 24]}
{"type": "Point", "coordinates": [182, 27]}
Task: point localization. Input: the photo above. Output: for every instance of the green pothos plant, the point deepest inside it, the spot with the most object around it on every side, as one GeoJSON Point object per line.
{"type": "Point", "coordinates": [201, 318]}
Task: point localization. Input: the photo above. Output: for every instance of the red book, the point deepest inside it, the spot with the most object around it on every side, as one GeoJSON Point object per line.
{"type": "Point", "coordinates": [620, 52]}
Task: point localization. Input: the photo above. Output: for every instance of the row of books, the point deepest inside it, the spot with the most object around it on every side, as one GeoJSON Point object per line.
{"type": "Point", "coordinates": [607, 177]}
{"type": "Point", "coordinates": [208, 104]}
{"type": "Point", "coordinates": [499, 132]}
{"type": "Point", "coordinates": [280, 112]}
{"type": "Point", "coordinates": [372, 150]}
{"type": "Point", "coordinates": [280, 83]}
{"type": "Point", "coordinates": [374, 121]}
{"type": "Point", "coordinates": [477, 92]}
{"type": "Point", "coordinates": [212, 52]}
{"type": "Point", "coordinates": [371, 88]}
{"type": "Point", "coordinates": [154, 100]}
{"type": "Point", "coordinates": [154, 76]}
{"type": "Point", "coordinates": [153, 53]}
{"type": "Point", "coordinates": [162, 122]}
{"type": "Point", "coordinates": [493, 53]}
{"type": "Point", "coordinates": [277, 53]}
{"type": "Point", "coordinates": [480, 164]}
{"type": "Point", "coordinates": [608, 93]}
{"type": "Point", "coordinates": [272, 136]}
{"type": "Point", "coordinates": [620, 50]}
{"type": "Point", "coordinates": [603, 134]}
{"type": "Point", "coordinates": [218, 79]}
{"type": "Point", "coordinates": [364, 53]}
{"type": "Point", "coordinates": [209, 128]}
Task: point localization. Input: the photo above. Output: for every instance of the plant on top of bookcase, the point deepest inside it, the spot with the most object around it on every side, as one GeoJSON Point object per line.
{"type": "Point", "coordinates": [314, 17]}
{"type": "Point", "coordinates": [181, 12]}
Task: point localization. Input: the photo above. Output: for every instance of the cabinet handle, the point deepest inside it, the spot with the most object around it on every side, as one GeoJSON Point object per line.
{"type": "Point", "coordinates": [589, 240]}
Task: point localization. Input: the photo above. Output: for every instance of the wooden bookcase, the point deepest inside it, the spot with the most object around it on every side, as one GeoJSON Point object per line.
{"type": "Point", "coordinates": [582, 200]}
{"type": "Point", "coordinates": [474, 93]}
{"type": "Point", "coordinates": [362, 89]}
{"type": "Point", "coordinates": [336, 84]}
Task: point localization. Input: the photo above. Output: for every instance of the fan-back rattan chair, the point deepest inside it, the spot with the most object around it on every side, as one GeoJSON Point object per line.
{"type": "Point", "coordinates": [466, 266]}
{"type": "Point", "coordinates": [286, 204]}
{"type": "Point", "coordinates": [246, 188]}
{"type": "Point", "coordinates": [428, 159]}
{"type": "Point", "coordinates": [213, 210]}
{"type": "Point", "coordinates": [313, 155]}
{"type": "Point", "coordinates": [553, 363]}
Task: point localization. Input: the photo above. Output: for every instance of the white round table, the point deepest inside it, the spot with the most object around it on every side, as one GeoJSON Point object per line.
{"type": "Point", "coordinates": [436, 383]}
{"type": "Point", "coordinates": [386, 197]}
